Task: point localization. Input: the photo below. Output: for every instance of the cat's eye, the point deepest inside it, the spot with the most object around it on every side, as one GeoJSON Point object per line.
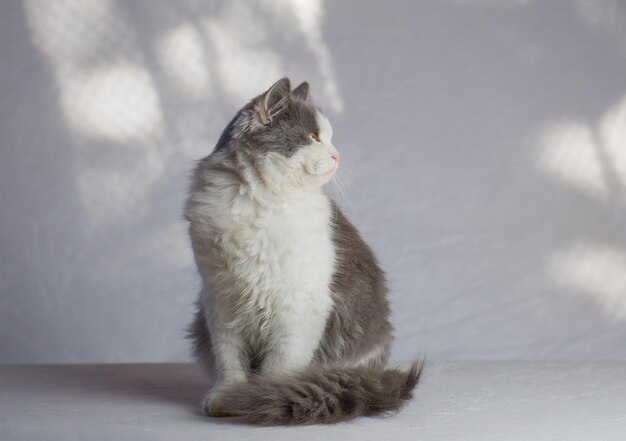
{"type": "Point", "coordinates": [314, 135]}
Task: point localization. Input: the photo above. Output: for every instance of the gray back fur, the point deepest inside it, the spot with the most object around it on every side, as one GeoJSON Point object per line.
{"type": "Point", "coordinates": [359, 324]}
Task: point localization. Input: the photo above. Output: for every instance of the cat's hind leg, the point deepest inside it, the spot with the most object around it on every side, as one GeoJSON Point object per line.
{"type": "Point", "coordinates": [202, 346]}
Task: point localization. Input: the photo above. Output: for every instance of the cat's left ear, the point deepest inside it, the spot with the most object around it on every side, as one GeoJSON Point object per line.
{"type": "Point", "coordinates": [272, 102]}
{"type": "Point", "coordinates": [301, 92]}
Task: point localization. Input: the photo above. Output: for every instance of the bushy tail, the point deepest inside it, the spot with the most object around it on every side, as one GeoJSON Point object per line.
{"type": "Point", "coordinates": [319, 395]}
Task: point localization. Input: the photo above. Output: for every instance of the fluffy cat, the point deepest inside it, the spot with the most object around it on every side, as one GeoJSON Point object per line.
{"type": "Point", "coordinates": [293, 320]}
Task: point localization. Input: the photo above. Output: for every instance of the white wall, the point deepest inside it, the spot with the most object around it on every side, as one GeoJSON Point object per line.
{"type": "Point", "coordinates": [485, 143]}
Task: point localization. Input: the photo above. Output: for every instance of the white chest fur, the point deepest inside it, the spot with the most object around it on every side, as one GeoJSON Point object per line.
{"type": "Point", "coordinates": [276, 265]}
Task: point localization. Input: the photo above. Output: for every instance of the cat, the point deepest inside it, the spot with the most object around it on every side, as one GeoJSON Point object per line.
{"type": "Point", "coordinates": [292, 323]}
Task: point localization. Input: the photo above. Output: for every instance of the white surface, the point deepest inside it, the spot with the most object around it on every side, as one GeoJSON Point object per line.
{"type": "Point", "coordinates": [485, 141]}
{"type": "Point", "coordinates": [467, 401]}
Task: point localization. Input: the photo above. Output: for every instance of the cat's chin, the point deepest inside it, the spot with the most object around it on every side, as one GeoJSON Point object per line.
{"type": "Point", "coordinates": [324, 177]}
{"type": "Point", "coordinates": [328, 173]}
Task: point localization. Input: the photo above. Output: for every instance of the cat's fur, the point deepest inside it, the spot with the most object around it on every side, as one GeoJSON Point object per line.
{"type": "Point", "coordinates": [292, 323]}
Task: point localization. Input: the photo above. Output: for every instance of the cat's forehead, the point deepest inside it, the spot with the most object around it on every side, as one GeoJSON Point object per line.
{"type": "Point", "coordinates": [325, 129]}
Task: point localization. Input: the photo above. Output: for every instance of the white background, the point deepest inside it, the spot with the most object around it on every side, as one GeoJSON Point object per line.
{"type": "Point", "coordinates": [483, 153]}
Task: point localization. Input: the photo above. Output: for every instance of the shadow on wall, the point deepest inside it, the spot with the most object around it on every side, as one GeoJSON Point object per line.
{"type": "Point", "coordinates": [118, 71]}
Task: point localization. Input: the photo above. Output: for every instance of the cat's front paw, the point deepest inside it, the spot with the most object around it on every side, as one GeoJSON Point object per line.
{"type": "Point", "coordinates": [212, 406]}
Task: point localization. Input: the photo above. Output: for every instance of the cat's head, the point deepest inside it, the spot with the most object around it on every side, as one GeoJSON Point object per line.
{"type": "Point", "coordinates": [287, 138]}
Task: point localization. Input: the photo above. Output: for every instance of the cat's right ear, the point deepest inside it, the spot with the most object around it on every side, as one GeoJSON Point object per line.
{"type": "Point", "coordinates": [272, 102]}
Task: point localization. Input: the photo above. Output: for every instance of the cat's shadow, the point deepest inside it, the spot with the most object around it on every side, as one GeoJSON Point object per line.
{"type": "Point", "coordinates": [181, 384]}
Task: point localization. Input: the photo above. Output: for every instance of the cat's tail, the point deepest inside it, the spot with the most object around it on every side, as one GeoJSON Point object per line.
{"type": "Point", "coordinates": [319, 395]}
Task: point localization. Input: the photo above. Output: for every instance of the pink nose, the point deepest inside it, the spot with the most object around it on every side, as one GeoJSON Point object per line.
{"type": "Point", "coordinates": [335, 156]}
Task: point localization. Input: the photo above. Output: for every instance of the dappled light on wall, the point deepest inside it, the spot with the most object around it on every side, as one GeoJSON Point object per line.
{"type": "Point", "coordinates": [613, 138]}
{"type": "Point", "coordinates": [309, 14]}
{"type": "Point", "coordinates": [104, 94]}
{"type": "Point", "coordinates": [245, 61]}
{"type": "Point", "coordinates": [588, 158]}
{"type": "Point", "coordinates": [569, 155]}
{"type": "Point", "coordinates": [594, 270]}
{"type": "Point", "coordinates": [182, 59]}
{"type": "Point", "coordinates": [110, 104]}
{"type": "Point", "coordinates": [132, 100]}
{"type": "Point", "coordinates": [116, 102]}
{"type": "Point", "coordinates": [242, 37]}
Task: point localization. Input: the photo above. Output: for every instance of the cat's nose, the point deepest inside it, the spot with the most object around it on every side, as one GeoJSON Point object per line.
{"type": "Point", "coordinates": [335, 156]}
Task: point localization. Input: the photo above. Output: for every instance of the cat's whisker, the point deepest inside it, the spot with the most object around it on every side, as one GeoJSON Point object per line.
{"type": "Point", "coordinates": [348, 184]}
{"type": "Point", "coordinates": [345, 178]}
{"type": "Point", "coordinates": [344, 182]}
{"type": "Point", "coordinates": [344, 166]}
{"type": "Point", "coordinates": [336, 190]}
{"type": "Point", "coordinates": [339, 186]}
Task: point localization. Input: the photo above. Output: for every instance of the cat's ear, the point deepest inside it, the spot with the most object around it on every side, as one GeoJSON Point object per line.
{"type": "Point", "coordinates": [301, 92]}
{"type": "Point", "coordinates": [272, 102]}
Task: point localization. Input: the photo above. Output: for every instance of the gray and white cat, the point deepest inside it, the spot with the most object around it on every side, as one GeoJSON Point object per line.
{"type": "Point", "coordinates": [293, 320]}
